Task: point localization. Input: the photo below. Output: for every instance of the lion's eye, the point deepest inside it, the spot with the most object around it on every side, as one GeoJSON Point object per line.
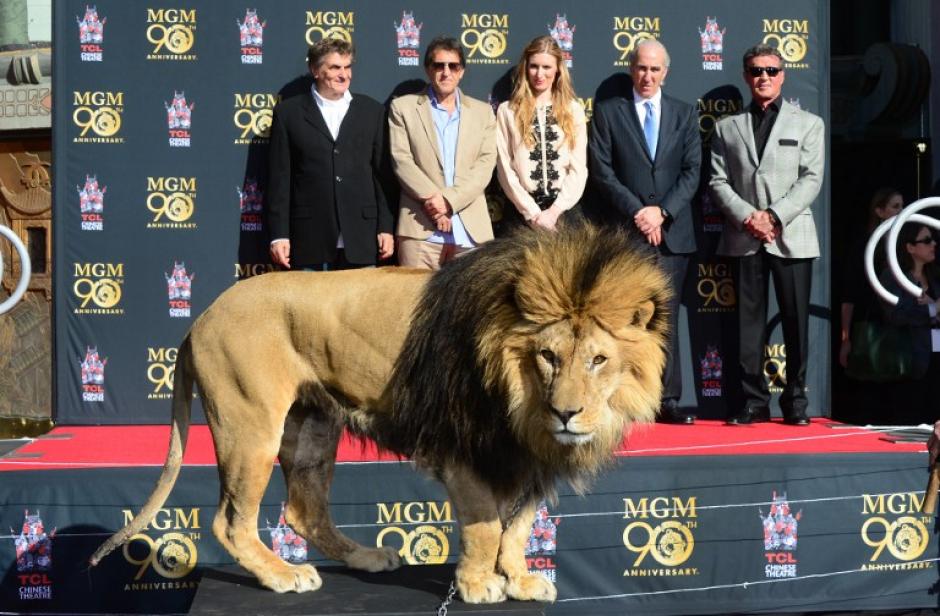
{"type": "Point", "coordinates": [547, 356]}
{"type": "Point", "coordinates": [599, 359]}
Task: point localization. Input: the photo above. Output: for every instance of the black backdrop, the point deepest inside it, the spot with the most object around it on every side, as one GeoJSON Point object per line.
{"type": "Point", "coordinates": [190, 194]}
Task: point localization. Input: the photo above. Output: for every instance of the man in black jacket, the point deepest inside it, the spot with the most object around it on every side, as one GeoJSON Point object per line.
{"type": "Point", "coordinates": [325, 204]}
{"type": "Point", "coordinates": [645, 157]}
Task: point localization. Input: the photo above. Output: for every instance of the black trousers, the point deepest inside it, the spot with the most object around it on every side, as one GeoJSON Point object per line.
{"type": "Point", "coordinates": [675, 267]}
{"type": "Point", "coordinates": [792, 282]}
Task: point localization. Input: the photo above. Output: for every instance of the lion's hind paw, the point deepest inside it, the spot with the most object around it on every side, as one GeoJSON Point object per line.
{"type": "Point", "coordinates": [298, 578]}
{"type": "Point", "coordinates": [532, 587]}
{"type": "Point", "coordinates": [382, 559]}
{"type": "Point", "coordinates": [488, 588]}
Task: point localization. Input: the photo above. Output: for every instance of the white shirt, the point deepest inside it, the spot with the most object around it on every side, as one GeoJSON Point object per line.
{"type": "Point", "coordinates": [333, 111]}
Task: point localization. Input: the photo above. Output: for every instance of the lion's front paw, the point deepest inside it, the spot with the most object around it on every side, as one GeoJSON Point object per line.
{"type": "Point", "coordinates": [297, 578]}
{"type": "Point", "coordinates": [532, 587]}
{"type": "Point", "coordinates": [381, 559]}
{"type": "Point", "coordinates": [487, 588]}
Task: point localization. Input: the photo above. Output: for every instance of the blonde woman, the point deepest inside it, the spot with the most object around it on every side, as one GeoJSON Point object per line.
{"type": "Point", "coordinates": [541, 137]}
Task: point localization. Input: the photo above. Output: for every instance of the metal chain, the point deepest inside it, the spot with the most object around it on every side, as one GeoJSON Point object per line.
{"type": "Point", "coordinates": [442, 610]}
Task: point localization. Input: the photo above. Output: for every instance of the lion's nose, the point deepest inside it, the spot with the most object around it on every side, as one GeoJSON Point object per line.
{"type": "Point", "coordinates": [566, 415]}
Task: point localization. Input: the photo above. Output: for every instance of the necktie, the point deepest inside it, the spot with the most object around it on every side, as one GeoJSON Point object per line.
{"type": "Point", "coordinates": [649, 129]}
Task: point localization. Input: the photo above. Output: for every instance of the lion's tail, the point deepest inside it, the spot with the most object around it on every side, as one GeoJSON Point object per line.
{"type": "Point", "coordinates": [179, 431]}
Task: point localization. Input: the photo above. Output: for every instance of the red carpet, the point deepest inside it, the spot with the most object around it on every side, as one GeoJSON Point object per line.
{"type": "Point", "coordinates": [122, 446]}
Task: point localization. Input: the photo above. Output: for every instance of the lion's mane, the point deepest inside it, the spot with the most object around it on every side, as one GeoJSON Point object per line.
{"type": "Point", "coordinates": [462, 388]}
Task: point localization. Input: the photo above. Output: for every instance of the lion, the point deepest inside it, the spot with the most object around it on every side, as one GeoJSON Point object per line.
{"type": "Point", "coordinates": [519, 364]}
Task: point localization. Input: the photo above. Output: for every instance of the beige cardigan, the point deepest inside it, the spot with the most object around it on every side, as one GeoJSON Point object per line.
{"type": "Point", "coordinates": [514, 168]}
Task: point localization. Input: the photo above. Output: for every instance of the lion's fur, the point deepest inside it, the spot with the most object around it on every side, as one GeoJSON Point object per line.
{"type": "Point", "coordinates": [518, 364]}
{"type": "Point", "coordinates": [459, 388]}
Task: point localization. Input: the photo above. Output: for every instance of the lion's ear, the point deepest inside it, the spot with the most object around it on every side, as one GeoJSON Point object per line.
{"type": "Point", "coordinates": [643, 314]}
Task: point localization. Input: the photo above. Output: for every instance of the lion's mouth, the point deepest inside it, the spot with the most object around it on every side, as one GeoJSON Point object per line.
{"type": "Point", "coordinates": [566, 437]}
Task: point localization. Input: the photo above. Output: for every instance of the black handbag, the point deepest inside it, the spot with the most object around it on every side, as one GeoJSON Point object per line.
{"type": "Point", "coordinates": [880, 353]}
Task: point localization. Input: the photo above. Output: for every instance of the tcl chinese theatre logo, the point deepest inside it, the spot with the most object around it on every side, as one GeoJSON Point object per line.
{"type": "Point", "coordinates": [92, 369]}
{"type": "Point", "coordinates": [91, 204]}
{"type": "Point", "coordinates": [484, 37]}
{"type": "Point", "coordinates": [98, 287]}
{"type": "Point", "coordinates": [91, 35]}
{"type": "Point", "coordinates": [97, 115]}
{"type": "Point", "coordinates": [251, 37]}
{"type": "Point", "coordinates": [408, 39]}
{"type": "Point", "coordinates": [628, 31]}
{"type": "Point", "coordinates": [660, 535]}
{"type": "Point", "coordinates": [172, 32]}
{"type": "Point", "coordinates": [34, 559]}
{"type": "Point", "coordinates": [329, 25]}
{"type": "Point", "coordinates": [781, 537]}
{"type": "Point", "coordinates": [165, 552]}
{"type": "Point", "coordinates": [895, 531]}
{"type": "Point", "coordinates": [790, 37]}
{"type": "Point", "coordinates": [419, 530]}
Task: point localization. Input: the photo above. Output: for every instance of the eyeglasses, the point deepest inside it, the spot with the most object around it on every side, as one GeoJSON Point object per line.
{"type": "Point", "coordinates": [453, 66]}
{"type": "Point", "coordinates": [925, 241]}
{"type": "Point", "coordinates": [757, 71]}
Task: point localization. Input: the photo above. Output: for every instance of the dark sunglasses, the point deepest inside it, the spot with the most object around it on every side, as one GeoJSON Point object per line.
{"type": "Point", "coordinates": [755, 71]}
{"type": "Point", "coordinates": [453, 66]}
{"type": "Point", "coordinates": [925, 240]}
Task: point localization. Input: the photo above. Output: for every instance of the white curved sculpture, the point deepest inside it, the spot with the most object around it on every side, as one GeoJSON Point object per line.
{"type": "Point", "coordinates": [892, 226]}
{"type": "Point", "coordinates": [24, 275]}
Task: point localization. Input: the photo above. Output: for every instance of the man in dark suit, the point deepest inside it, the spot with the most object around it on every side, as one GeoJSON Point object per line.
{"type": "Point", "coordinates": [645, 156]}
{"type": "Point", "coordinates": [326, 206]}
{"type": "Point", "coordinates": [767, 168]}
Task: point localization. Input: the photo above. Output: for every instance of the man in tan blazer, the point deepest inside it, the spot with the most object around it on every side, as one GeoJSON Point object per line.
{"type": "Point", "coordinates": [443, 146]}
{"type": "Point", "coordinates": [767, 168]}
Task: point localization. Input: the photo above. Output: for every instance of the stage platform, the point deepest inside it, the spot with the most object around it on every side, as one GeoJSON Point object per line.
{"type": "Point", "coordinates": [707, 519]}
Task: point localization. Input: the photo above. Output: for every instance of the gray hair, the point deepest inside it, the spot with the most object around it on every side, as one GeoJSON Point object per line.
{"type": "Point", "coordinates": [631, 56]}
{"type": "Point", "coordinates": [324, 47]}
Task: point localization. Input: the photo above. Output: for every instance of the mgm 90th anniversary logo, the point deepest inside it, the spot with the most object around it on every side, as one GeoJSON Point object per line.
{"type": "Point", "coordinates": [329, 24]}
{"type": "Point", "coordinates": [167, 547]}
{"type": "Point", "coordinates": [790, 37]}
{"type": "Point", "coordinates": [98, 116]}
{"type": "Point", "coordinates": [161, 365]}
{"type": "Point", "coordinates": [253, 115]}
{"type": "Point", "coordinates": [98, 287]}
{"type": "Point", "coordinates": [172, 32]}
{"type": "Point", "coordinates": [484, 37]}
{"type": "Point", "coordinates": [172, 201]}
{"type": "Point", "coordinates": [661, 529]}
{"type": "Point", "coordinates": [628, 31]}
{"type": "Point", "coordinates": [895, 530]}
{"type": "Point", "coordinates": [418, 529]}
{"type": "Point", "coordinates": [715, 287]}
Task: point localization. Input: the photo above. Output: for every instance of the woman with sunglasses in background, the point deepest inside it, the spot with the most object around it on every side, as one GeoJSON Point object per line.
{"type": "Point", "coordinates": [541, 138]}
{"type": "Point", "coordinates": [917, 396]}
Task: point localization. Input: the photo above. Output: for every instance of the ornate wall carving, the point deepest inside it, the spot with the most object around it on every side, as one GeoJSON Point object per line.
{"type": "Point", "coordinates": [26, 331]}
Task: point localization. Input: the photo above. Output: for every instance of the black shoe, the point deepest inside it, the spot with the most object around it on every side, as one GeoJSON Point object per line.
{"type": "Point", "coordinates": [670, 413]}
{"type": "Point", "coordinates": [796, 418]}
{"type": "Point", "coordinates": [749, 416]}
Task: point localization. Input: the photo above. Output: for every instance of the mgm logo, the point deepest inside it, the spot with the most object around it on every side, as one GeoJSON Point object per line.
{"type": "Point", "coordinates": [662, 529]}
{"type": "Point", "coordinates": [100, 113]}
{"type": "Point", "coordinates": [329, 24]}
{"type": "Point", "coordinates": [98, 287]}
{"type": "Point", "coordinates": [167, 546]}
{"type": "Point", "coordinates": [895, 526]}
{"type": "Point", "coordinates": [790, 37]}
{"type": "Point", "coordinates": [161, 364]}
{"type": "Point", "coordinates": [172, 200]}
{"type": "Point", "coordinates": [172, 32]}
{"type": "Point", "coordinates": [254, 113]}
{"type": "Point", "coordinates": [775, 367]}
{"type": "Point", "coordinates": [715, 287]}
{"type": "Point", "coordinates": [628, 31]}
{"type": "Point", "coordinates": [484, 36]}
{"type": "Point", "coordinates": [426, 542]}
